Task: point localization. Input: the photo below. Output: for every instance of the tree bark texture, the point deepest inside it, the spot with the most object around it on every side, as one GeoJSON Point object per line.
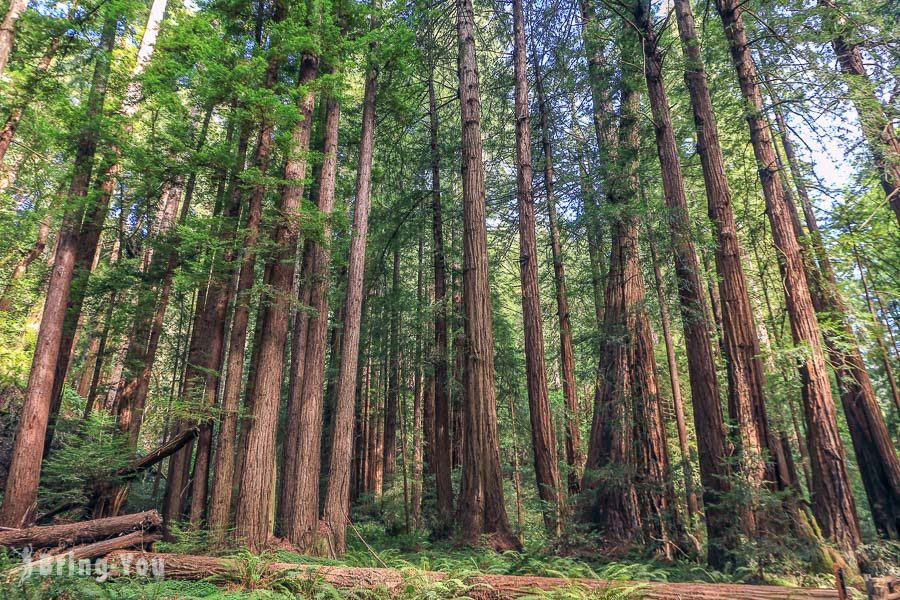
{"type": "Point", "coordinates": [710, 424]}
{"type": "Point", "coordinates": [257, 484]}
{"type": "Point", "coordinates": [481, 509]}
{"type": "Point", "coordinates": [832, 497]}
{"type": "Point", "coordinates": [574, 454]}
{"type": "Point", "coordinates": [875, 454]}
{"type": "Point", "coordinates": [439, 441]}
{"type": "Point", "coordinates": [740, 340]}
{"type": "Point", "coordinates": [8, 30]}
{"type": "Point", "coordinates": [543, 438]}
{"type": "Point", "coordinates": [337, 497]}
{"type": "Point", "coordinates": [305, 495]}
{"type": "Point", "coordinates": [25, 466]}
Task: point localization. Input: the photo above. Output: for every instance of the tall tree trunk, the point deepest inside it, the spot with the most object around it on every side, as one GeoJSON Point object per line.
{"type": "Point", "coordinates": [226, 470]}
{"type": "Point", "coordinates": [603, 114]}
{"type": "Point", "coordinates": [740, 340]}
{"type": "Point", "coordinates": [337, 496]}
{"type": "Point", "coordinates": [440, 441]}
{"type": "Point", "coordinates": [517, 472]}
{"type": "Point", "coordinates": [693, 506]}
{"type": "Point", "coordinates": [543, 437]}
{"type": "Point", "coordinates": [875, 454]}
{"type": "Point", "coordinates": [305, 495]}
{"type": "Point", "coordinates": [375, 428]}
{"type": "Point", "coordinates": [574, 454]}
{"type": "Point", "coordinates": [481, 509]}
{"type": "Point", "coordinates": [833, 503]}
{"type": "Point", "coordinates": [392, 401]}
{"type": "Point", "coordinates": [92, 227]}
{"type": "Point", "coordinates": [25, 466]}
{"type": "Point", "coordinates": [420, 382]}
{"type": "Point", "coordinates": [628, 454]}
{"type": "Point", "coordinates": [8, 30]}
{"type": "Point", "coordinates": [296, 374]}
{"type": "Point", "coordinates": [257, 484]}
{"type": "Point", "coordinates": [219, 296]}
{"type": "Point", "coordinates": [710, 424]}
{"type": "Point", "coordinates": [876, 123]}
{"type": "Point", "coordinates": [223, 467]}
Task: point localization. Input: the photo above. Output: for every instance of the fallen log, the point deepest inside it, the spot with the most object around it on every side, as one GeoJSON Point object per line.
{"type": "Point", "coordinates": [60, 560]}
{"type": "Point", "coordinates": [883, 588]}
{"type": "Point", "coordinates": [71, 534]}
{"type": "Point", "coordinates": [482, 587]}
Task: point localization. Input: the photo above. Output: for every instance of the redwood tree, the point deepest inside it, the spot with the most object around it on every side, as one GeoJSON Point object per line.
{"type": "Point", "coordinates": [337, 495]}
{"type": "Point", "coordinates": [543, 437]}
{"type": "Point", "coordinates": [480, 509]}
{"type": "Point", "coordinates": [709, 422]}
{"type": "Point", "coordinates": [574, 454]}
{"type": "Point", "coordinates": [305, 485]}
{"type": "Point", "coordinates": [832, 496]}
{"type": "Point", "coordinates": [25, 466]}
{"type": "Point", "coordinates": [257, 483]}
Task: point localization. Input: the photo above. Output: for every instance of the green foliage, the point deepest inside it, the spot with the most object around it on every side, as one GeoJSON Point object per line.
{"type": "Point", "coordinates": [90, 452]}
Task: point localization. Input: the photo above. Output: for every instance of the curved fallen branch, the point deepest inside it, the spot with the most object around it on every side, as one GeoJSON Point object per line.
{"type": "Point", "coordinates": [484, 587]}
{"type": "Point", "coordinates": [151, 458]}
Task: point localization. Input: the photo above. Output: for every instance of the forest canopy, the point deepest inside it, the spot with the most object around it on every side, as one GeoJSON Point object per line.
{"type": "Point", "coordinates": [594, 281]}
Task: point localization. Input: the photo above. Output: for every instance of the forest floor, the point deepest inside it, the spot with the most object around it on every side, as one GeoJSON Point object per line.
{"type": "Point", "coordinates": [410, 554]}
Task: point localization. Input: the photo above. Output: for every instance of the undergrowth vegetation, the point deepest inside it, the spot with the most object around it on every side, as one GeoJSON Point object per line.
{"type": "Point", "coordinates": [412, 556]}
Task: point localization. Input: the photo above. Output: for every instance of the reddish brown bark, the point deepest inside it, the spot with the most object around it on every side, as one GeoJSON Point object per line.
{"type": "Point", "coordinates": [301, 529]}
{"type": "Point", "coordinates": [226, 441]}
{"type": "Point", "coordinates": [833, 503]}
{"type": "Point", "coordinates": [481, 510]}
{"type": "Point", "coordinates": [392, 399]}
{"type": "Point", "coordinates": [337, 496]}
{"type": "Point", "coordinates": [296, 374]}
{"type": "Point", "coordinates": [70, 534]}
{"type": "Point", "coordinates": [574, 454]}
{"type": "Point", "coordinates": [876, 457]}
{"type": "Point", "coordinates": [375, 431]}
{"type": "Point", "coordinates": [710, 425]}
{"type": "Point", "coordinates": [257, 484]}
{"type": "Point", "coordinates": [439, 402]}
{"type": "Point", "coordinates": [24, 471]}
{"type": "Point", "coordinates": [740, 341]}
{"type": "Point", "coordinates": [693, 506]}
{"type": "Point", "coordinates": [8, 30]}
{"type": "Point", "coordinates": [85, 262]}
{"type": "Point", "coordinates": [627, 456]}
{"type": "Point", "coordinates": [543, 438]}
